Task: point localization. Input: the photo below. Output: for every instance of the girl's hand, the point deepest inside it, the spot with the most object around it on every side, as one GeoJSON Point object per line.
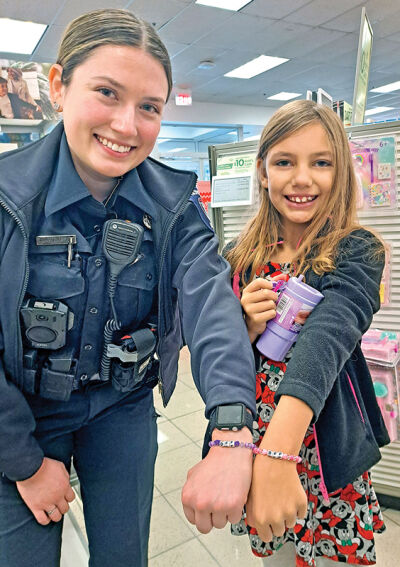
{"type": "Point", "coordinates": [276, 497]}
{"type": "Point", "coordinates": [259, 304]}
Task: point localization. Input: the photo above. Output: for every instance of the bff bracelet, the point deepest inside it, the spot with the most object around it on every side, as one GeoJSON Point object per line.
{"type": "Point", "coordinates": [256, 450]}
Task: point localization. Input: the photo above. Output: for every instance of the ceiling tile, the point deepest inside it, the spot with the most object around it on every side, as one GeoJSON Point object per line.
{"type": "Point", "coordinates": [394, 37]}
{"type": "Point", "coordinates": [343, 52]}
{"type": "Point", "coordinates": [192, 23]}
{"type": "Point", "coordinates": [74, 8]}
{"type": "Point", "coordinates": [157, 12]}
{"type": "Point", "coordinates": [310, 41]}
{"type": "Point", "coordinates": [348, 22]}
{"type": "Point", "coordinates": [320, 11]}
{"type": "Point", "coordinates": [174, 48]}
{"type": "Point", "coordinates": [273, 8]}
{"type": "Point", "coordinates": [377, 10]}
{"type": "Point", "coordinates": [241, 27]}
{"type": "Point", "coordinates": [39, 11]}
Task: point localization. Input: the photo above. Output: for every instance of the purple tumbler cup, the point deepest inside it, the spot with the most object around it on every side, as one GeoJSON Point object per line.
{"type": "Point", "coordinates": [282, 331]}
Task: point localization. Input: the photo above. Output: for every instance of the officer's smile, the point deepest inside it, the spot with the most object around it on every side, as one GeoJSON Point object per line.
{"type": "Point", "coordinates": [114, 146]}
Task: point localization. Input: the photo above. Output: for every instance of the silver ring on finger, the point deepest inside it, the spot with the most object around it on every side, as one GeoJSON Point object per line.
{"type": "Point", "coordinates": [50, 512]}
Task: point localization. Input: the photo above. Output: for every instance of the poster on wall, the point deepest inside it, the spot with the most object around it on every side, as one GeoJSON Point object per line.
{"type": "Point", "coordinates": [24, 91]}
{"type": "Point", "coordinates": [374, 164]}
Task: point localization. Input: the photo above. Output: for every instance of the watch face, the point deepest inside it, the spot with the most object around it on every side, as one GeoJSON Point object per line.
{"type": "Point", "coordinates": [230, 415]}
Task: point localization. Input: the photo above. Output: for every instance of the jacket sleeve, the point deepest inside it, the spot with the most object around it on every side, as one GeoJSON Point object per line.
{"type": "Point", "coordinates": [332, 331]}
{"type": "Point", "coordinates": [212, 322]}
{"type": "Point", "coordinates": [20, 453]}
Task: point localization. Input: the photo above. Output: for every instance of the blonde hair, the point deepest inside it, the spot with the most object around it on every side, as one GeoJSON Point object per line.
{"type": "Point", "coordinates": [318, 246]}
{"type": "Point", "coordinates": [109, 27]}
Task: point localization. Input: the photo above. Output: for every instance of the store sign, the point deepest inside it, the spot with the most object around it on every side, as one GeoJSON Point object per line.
{"type": "Point", "coordinates": [232, 190]}
{"type": "Point", "coordinates": [362, 70]}
{"type": "Point", "coordinates": [183, 99]}
{"type": "Point", "coordinates": [236, 164]}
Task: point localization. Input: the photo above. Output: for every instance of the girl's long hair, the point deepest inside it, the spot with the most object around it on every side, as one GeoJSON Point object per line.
{"type": "Point", "coordinates": [336, 219]}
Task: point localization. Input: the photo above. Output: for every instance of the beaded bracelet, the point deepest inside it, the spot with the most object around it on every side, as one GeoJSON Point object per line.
{"type": "Point", "coordinates": [277, 455]}
{"type": "Point", "coordinates": [256, 450]}
{"type": "Point", "coordinates": [218, 443]}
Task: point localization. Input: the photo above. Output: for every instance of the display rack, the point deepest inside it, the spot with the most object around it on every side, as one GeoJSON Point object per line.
{"type": "Point", "coordinates": [20, 126]}
{"type": "Point", "coordinates": [229, 221]}
{"type": "Point", "coordinates": [386, 474]}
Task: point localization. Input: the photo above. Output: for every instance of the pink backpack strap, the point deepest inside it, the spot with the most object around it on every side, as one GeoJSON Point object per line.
{"type": "Point", "coordinates": [236, 285]}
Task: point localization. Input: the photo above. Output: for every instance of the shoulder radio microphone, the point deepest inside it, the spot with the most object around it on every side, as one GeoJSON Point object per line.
{"type": "Point", "coordinates": [121, 244]}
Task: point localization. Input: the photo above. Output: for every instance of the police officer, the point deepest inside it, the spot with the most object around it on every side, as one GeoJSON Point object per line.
{"type": "Point", "coordinates": [108, 265]}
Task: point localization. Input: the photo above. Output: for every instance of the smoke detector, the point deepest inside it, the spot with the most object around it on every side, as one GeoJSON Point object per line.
{"type": "Point", "coordinates": [207, 64]}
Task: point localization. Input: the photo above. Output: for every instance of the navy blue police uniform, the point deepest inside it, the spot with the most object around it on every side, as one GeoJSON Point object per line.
{"type": "Point", "coordinates": [109, 434]}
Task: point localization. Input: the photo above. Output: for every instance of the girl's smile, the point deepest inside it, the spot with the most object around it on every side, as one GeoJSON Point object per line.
{"type": "Point", "coordinates": [299, 175]}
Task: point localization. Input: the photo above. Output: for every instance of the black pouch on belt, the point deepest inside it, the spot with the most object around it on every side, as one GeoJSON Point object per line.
{"type": "Point", "coordinates": [132, 360]}
{"type": "Point", "coordinates": [57, 376]}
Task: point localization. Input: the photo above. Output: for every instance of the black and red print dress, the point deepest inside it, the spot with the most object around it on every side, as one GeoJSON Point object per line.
{"type": "Point", "coordinates": [342, 529]}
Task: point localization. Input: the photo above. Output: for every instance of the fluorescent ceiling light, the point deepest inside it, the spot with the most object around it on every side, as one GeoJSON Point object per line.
{"type": "Point", "coordinates": [284, 96]}
{"type": "Point", "coordinates": [176, 150]}
{"type": "Point", "coordinates": [387, 88]}
{"type": "Point", "coordinates": [256, 66]}
{"type": "Point", "coordinates": [20, 37]}
{"type": "Point", "coordinates": [233, 5]}
{"type": "Point", "coordinates": [163, 140]}
{"type": "Point", "coordinates": [377, 110]}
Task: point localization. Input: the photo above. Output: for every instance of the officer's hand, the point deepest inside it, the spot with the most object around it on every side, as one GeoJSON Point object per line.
{"type": "Point", "coordinates": [216, 488]}
{"type": "Point", "coordinates": [48, 489]}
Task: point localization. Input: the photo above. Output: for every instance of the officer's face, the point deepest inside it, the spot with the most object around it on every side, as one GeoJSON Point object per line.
{"type": "Point", "coordinates": [112, 110]}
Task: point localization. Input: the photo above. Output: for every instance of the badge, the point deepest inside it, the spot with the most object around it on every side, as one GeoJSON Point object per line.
{"type": "Point", "coordinates": [147, 221]}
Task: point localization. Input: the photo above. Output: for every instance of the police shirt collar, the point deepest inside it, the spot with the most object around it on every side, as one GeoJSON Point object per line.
{"type": "Point", "coordinates": [133, 190]}
{"type": "Point", "coordinates": [66, 186]}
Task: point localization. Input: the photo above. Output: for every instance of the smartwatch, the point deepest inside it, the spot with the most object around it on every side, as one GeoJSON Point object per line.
{"type": "Point", "coordinates": [232, 417]}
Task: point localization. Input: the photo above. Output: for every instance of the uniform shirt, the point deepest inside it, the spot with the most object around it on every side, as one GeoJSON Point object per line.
{"type": "Point", "coordinates": [71, 210]}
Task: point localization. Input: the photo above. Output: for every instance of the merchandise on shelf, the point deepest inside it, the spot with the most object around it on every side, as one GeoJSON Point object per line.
{"type": "Point", "coordinates": [381, 346]}
{"type": "Point", "coordinates": [374, 164]}
{"type": "Point", "coordinates": [381, 349]}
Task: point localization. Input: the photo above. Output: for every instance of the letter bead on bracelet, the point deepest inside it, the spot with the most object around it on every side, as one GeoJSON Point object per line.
{"type": "Point", "coordinates": [256, 450]}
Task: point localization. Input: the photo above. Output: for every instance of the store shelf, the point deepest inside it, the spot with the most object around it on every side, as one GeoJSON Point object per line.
{"type": "Point", "coordinates": [20, 126]}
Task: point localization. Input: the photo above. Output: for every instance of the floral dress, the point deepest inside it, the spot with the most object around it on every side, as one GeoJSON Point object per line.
{"type": "Point", "coordinates": [342, 529]}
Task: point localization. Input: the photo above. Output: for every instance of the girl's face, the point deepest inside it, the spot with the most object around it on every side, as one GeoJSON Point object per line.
{"type": "Point", "coordinates": [111, 109]}
{"type": "Point", "coordinates": [299, 175]}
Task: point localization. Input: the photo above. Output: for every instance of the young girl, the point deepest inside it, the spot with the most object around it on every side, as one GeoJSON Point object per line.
{"type": "Point", "coordinates": [327, 412]}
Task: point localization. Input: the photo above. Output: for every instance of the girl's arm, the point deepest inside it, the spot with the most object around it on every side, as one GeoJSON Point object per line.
{"type": "Point", "coordinates": [327, 341]}
{"type": "Point", "coordinates": [277, 497]}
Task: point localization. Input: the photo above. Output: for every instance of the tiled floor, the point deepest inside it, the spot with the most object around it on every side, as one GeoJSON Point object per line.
{"type": "Point", "coordinates": [173, 541]}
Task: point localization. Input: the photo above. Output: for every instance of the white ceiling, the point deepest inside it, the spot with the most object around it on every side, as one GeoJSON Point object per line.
{"type": "Point", "coordinates": [320, 37]}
